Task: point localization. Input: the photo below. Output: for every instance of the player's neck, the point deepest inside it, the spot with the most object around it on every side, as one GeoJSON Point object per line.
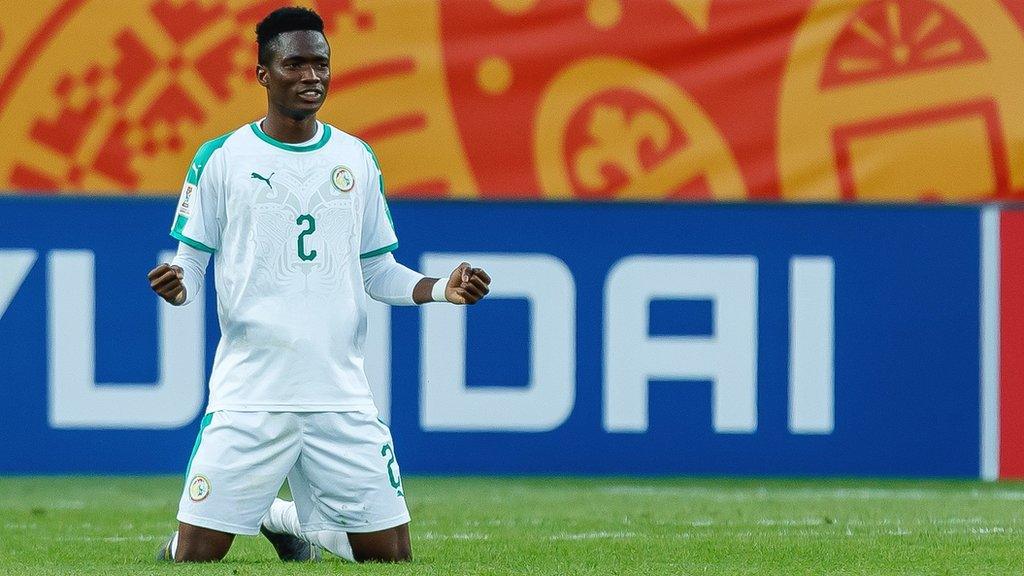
{"type": "Point", "coordinates": [289, 130]}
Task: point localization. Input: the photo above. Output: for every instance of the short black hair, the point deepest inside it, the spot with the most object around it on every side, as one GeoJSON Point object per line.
{"type": "Point", "coordinates": [284, 20]}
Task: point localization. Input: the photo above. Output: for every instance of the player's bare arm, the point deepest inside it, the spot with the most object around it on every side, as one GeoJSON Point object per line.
{"type": "Point", "coordinates": [466, 285]}
{"type": "Point", "coordinates": [166, 281]}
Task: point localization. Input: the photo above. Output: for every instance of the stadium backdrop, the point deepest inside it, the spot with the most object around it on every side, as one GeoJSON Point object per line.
{"type": "Point", "coordinates": [657, 337]}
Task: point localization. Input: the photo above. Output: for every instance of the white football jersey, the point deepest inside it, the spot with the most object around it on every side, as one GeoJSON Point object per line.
{"type": "Point", "coordinates": [287, 225]}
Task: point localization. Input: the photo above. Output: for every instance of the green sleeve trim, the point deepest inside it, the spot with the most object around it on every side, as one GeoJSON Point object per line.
{"type": "Point", "coordinates": [193, 243]}
{"type": "Point", "coordinates": [292, 147]}
{"type": "Point", "coordinates": [199, 438]}
{"type": "Point", "coordinates": [380, 251]}
{"type": "Point", "coordinates": [387, 209]}
{"type": "Point", "coordinates": [195, 171]}
{"type": "Point", "coordinates": [179, 224]}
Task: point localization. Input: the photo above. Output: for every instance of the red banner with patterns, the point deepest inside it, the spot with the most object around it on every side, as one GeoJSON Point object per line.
{"type": "Point", "coordinates": [801, 100]}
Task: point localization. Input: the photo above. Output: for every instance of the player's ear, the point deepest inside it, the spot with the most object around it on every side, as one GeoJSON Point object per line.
{"type": "Point", "coordinates": [261, 75]}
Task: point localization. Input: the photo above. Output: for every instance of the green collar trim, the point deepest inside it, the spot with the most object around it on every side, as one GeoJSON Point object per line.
{"type": "Point", "coordinates": [292, 147]}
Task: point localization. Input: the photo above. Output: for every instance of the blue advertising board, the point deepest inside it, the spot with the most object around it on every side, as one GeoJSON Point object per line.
{"type": "Point", "coordinates": [619, 339]}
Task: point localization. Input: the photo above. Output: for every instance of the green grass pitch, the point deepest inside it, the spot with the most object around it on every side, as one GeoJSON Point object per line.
{"type": "Point", "coordinates": [536, 526]}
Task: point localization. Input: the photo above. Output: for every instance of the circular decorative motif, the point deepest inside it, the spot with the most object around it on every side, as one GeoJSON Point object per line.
{"type": "Point", "coordinates": [612, 128]}
{"type": "Point", "coordinates": [883, 40]}
{"type": "Point", "coordinates": [198, 488]}
{"type": "Point", "coordinates": [494, 75]}
{"type": "Point", "coordinates": [343, 179]}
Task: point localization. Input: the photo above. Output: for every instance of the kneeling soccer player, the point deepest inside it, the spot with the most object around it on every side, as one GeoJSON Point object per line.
{"type": "Point", "coordinates": [293, 211]}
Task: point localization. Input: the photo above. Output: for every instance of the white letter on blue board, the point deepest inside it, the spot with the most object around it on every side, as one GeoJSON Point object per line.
{"type": "Point", "coordinates": [76, 400]}
{"type": "Point", "coordinates": [728, 357]}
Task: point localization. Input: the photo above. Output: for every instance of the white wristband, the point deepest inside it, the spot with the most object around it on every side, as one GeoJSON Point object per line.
{"type": "Point", "coordinates": [437, 292]}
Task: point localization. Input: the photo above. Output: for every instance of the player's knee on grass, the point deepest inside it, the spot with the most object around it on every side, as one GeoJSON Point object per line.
{"type": "Point", "coordinates": [196, 544]}
{"type": "Point", "coordinates": [390, 545]}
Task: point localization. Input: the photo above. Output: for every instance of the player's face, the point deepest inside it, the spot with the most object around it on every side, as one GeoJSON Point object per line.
{"type": "Point", "coordinates": [298, 74]}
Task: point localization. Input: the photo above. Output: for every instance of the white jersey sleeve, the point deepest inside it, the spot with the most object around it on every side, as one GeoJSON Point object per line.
{"type": "Point", "coordinates": [197, 220]}
{"type": "Point", "coordinates": [378, 235]}
{"type": "Point", "coordinates": [193, 265]}
{"type": "Point", "coordinates": [387, 281]}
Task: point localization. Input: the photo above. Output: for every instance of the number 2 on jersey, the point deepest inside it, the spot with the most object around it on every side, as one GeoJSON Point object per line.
{"type": "Point", "coordinates": [310, 223]}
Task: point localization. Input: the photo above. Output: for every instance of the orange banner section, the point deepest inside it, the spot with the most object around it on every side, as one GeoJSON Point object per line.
{"type": "Point", "coordinates": [827, 100]}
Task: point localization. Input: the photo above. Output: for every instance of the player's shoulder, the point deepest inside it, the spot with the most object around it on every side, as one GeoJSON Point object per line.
{"type": "Point", "coordinates": [207, 151]}
{"type": "Point", "coordinates": [350, 142]}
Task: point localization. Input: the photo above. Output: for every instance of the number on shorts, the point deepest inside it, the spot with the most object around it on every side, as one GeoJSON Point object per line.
{"type": "Point", "coordinates": [396, 480]}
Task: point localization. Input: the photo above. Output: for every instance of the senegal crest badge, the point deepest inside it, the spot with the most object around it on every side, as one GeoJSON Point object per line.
{"type": "Point", "coordinates": [343, 179]}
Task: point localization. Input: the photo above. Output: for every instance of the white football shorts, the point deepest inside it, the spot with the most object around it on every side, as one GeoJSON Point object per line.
{"type": "Point", "coordinates": [340, 466]}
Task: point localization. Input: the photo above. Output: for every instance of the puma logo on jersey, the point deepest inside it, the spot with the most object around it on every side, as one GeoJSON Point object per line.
{"type": "Point", "coordinates": [267, 179]}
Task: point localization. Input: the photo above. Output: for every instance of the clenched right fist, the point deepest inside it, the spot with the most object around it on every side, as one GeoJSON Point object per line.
{"type": "Point", "coordinates": [165, 280]}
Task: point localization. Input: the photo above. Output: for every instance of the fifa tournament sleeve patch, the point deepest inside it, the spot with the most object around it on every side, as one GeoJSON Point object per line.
{"type": "Point", "coordinates": [185, 203]}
